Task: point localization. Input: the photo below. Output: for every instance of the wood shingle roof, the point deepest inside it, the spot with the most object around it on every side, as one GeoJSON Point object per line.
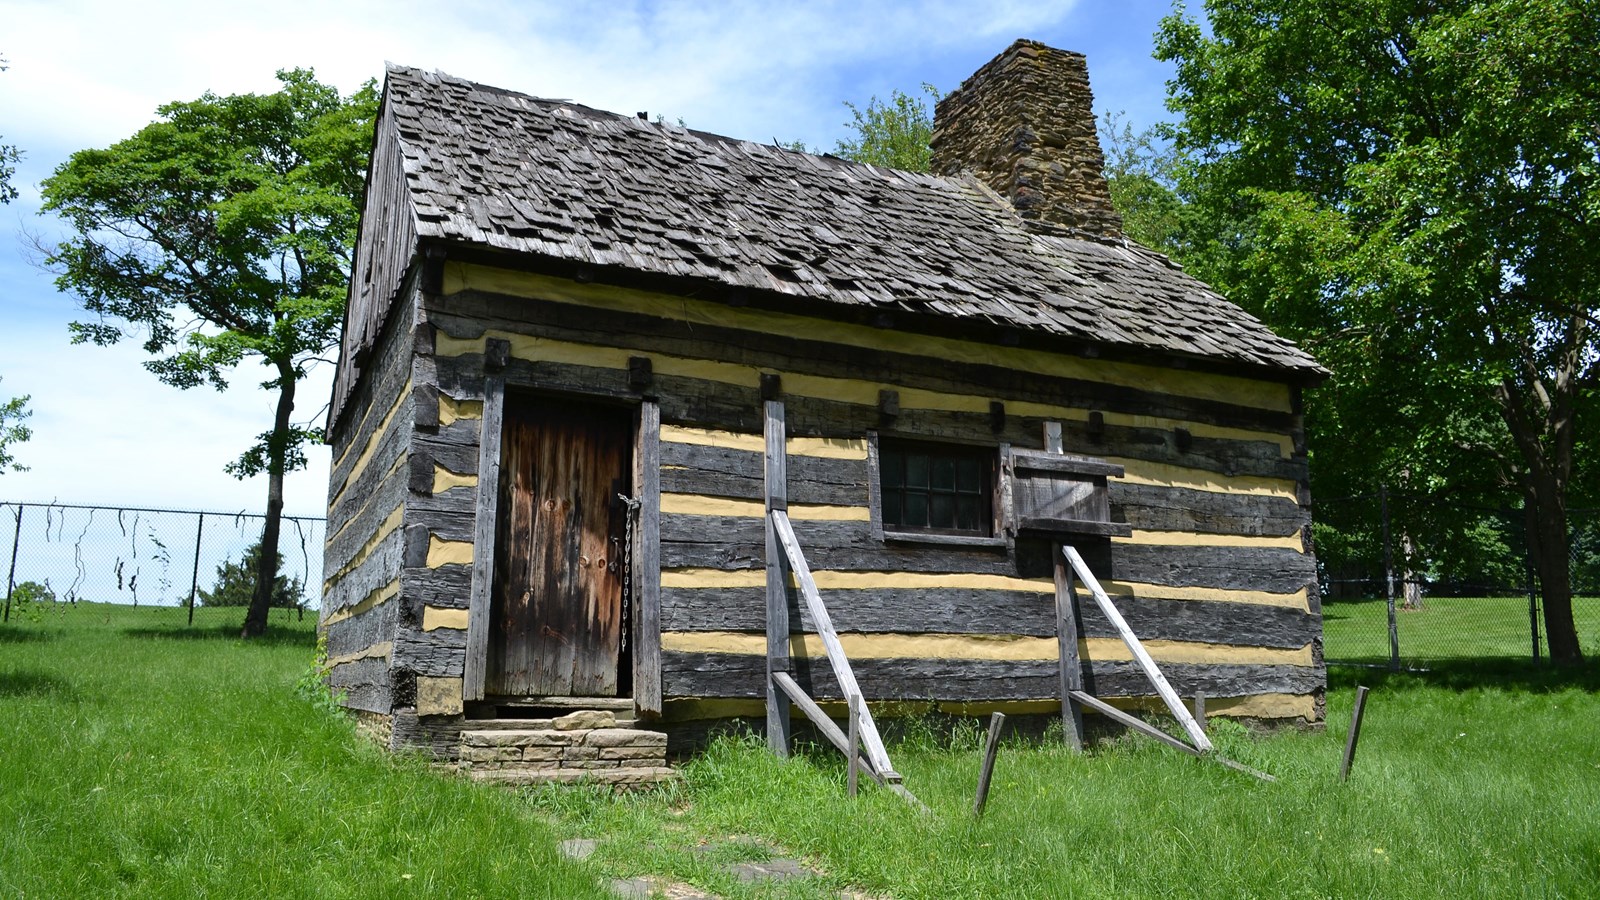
{"type": "Point", "coordinates": [502, 170]}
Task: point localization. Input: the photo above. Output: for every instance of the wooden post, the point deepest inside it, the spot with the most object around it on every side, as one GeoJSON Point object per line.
{"type": "Point", "coordinates": [1354, 735]}
{"type": "Point", "coordinates": [1140, 655]}
{"type": "Point", "coordinates": [646, 575]}
{"type": "Point", "coordinates": [1067, 647]}
{"type": "Point", "coordinates": [990, 749]}
{"type": "Point", "coordinates": [1066, 626]}
{"type": "Point", "coordinates": [775, 432]}
{"type": "Point", "coordinates": [853, 765]}
{"type": "Point", "coordinates": [490, 430]}
{"type": "Point", "coordinates": [194, 577]}
{"type": "Point", "coordinates": [1200, 709]}
{"type": "Point", "coordinates": [1388, 577]}
{"type": "Point", "coordinates": [11, 579]}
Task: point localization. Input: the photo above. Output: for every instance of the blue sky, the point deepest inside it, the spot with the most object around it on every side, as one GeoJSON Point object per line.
{"type": "Point", "coordinates": [84, 74]}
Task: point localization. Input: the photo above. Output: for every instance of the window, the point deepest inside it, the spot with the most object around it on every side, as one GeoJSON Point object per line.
{"type": "Point", "coordinates": [936, 488]}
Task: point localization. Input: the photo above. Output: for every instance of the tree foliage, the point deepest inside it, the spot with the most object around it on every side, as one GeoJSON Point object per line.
{"type": "Point", "coordinates": [1410, 190]}
{"type": "Point", "coordinates": [893, 134]}
{"type": "Point", "coordinates": [236, 584]}
{"type": "Point", "coordinates": [220, 233]}
{"type": "Point", "coordinates": [13, 413]}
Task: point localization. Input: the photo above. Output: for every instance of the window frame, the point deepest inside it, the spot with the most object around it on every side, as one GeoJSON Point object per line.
{"type": "Point", "coordinates": [992, 455]}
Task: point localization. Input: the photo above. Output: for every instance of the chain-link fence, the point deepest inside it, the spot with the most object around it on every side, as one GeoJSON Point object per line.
{"type": "Point", "coordinates": [166, 567]}
{"type": "Point", "coordinates": [1411, 579]}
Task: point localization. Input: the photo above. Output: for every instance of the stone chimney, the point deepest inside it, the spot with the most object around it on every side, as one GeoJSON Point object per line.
{"type": "Point", "coordinates": [1024, 125]}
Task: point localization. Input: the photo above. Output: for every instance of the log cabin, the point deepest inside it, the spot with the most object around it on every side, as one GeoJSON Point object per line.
{"type": "Point", "coordinates": [586, 355]}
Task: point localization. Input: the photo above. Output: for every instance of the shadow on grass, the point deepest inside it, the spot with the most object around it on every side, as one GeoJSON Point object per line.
{"type": "Point", "coordinates": [275, 635]}
{"type": "Point", "coordinates": [23, 636]}
{"type": "Point", "coordinates": [35, 683]}
{"type": "Point", "coordinates": [1469, 674]}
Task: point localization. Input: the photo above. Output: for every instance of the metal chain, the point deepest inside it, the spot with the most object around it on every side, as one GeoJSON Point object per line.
{"type": "Point", "coordinates": [631, 517]}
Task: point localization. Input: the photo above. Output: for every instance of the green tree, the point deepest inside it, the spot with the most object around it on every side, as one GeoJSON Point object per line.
{"type": "Point", "coordinates": [236, 584]}
{"type": "Point", "coordinates": [9, 156]}
{"type": "Point", "coordinates": [893, 134]}
{"type": "Point", "coordinates": [1410, 189]}
{"type": "Point", "coordinates": [1142, 177]}
{"type": "Point", "coordinates": [13, 431]}
{"type": "Point", "coordinates": [219, 233]}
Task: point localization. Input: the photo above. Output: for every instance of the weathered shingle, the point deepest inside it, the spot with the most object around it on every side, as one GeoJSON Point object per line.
{"type": "Point", "coordinates": [516, 173]}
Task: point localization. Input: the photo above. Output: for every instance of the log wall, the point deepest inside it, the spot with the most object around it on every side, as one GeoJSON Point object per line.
{"type": "Point", "coordinates": [1217, 575]}
{"type": "Point", "coordinates": [366, 511]}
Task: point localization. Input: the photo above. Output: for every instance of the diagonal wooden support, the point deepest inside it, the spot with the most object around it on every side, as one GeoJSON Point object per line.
{"type": "Point", "coordinates": [870, 740]}
{"type": "Point", "coordinates": [1168, 696]}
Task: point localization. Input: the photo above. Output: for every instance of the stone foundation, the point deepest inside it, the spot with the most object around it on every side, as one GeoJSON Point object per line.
{"type": "Point", "coordinates": [578, 747]}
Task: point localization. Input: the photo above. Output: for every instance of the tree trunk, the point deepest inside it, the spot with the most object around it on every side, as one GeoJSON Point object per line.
{"type": "Point", "coordinates": [255, 621]}
{"type": "Point", "coordinates": [1412, 585]}
{"type": "Point", "coordinates": [1546, 519]}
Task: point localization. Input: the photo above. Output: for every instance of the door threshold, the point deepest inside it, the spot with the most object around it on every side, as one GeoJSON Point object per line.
{"type": "Point", "coordinates": [498, 707]}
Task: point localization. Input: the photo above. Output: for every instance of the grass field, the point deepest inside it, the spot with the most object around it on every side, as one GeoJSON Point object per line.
{"type": "Point", "coordinates": [140, 762]}
{"type": "Point", "coordinates": [1446, 628]}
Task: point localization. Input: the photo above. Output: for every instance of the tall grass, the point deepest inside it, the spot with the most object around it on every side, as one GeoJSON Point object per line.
{"type": "Point", "coordinates": [146, 760]}
{"type": "Point", "coordinates": [1467, 784]}
{"type": "Point", "coordinates": [139, 758]}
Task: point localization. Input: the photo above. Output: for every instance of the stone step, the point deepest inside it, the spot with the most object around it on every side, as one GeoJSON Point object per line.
{"type": "Point", "coordinates": [630, 776]}
{"type": "Point", "coordinates": [528, 724]}
{"type": "Point", "coordinates": [615, 704]}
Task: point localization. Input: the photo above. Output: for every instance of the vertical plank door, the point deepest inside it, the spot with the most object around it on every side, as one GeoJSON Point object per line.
{"type": "Point", "coordinates": [557, 614]}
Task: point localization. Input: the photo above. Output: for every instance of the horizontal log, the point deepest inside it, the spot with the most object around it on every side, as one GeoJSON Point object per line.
{"type": "Point", "coordinates": [726, 406]}
{"type": "Point", "coordinates": [441, 652]}
{"type": "Point", "coordinates": [374, 396]}
{"type": "Point", "coordinates": [727, 472]}
{"type": "Point", "coordinates": [447, 587]}
{"type": "Point", "coordinates": [729, 543]}
{"type": "Point", "coordinates": [741, 675]}
{"type": "Point", "coordinates": [439, 735]}
{"type": "Point", "coordinates": [360, 631]}
{"type": "Point", "coordinates": [1274, 569]}
{"type": "Point", "coordinates": [380, 567]}
{"type": "Point", "coordinates": [974, 611]}
{"type": "Point", "coordinates": [364, 683]}
{"type": "Point", "coordinates": [472, 312]}
{"type": "Point", "coordinates": [348, 539]}
{"type": "Point", "coordinates": [1154, 508]}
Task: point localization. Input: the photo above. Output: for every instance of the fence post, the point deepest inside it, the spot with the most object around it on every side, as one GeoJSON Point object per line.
{"type": "Point", "coordinates": [11, 579]}
{"type": "Point", "coordinates": [194, 580]}
{"type": "Point", "coordinates": [1533, 593]}
{"type": "Point", "coordinates": [1388, 577]}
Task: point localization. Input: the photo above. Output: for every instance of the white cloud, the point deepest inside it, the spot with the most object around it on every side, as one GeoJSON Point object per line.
{"type": "Point", "coordinates": [88, 72]}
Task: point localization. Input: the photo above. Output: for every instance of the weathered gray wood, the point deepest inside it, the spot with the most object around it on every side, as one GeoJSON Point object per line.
{"type": "Point", "coordinates": [1154, 508]}
{"type": "Point", "coordinates": [727, 472]}
{"type": "Point", "coordinates": [830, 639]}
{"type": "Point", "coordinates": [425, 405]}
{"type": "Point", "coordinates": [472, 311]}
{"type": "Point", "coordinates": [1066, 607]}
{"type": "Point", "coordinates": [358, 632]}
{"type": "Point", "coordinates": [364, 683]}
{"type": "Point", "coordinates": [1049, 525]}
{"type": "Point", "coordinates": [1200, 709]}
{"type": "Point", "coordinates": [447, 587]}
{"type": "Point", "coordinates": [375, 572]}
{"type": "Point", "coordinates": [1133, 722]}
{"type": "Point", "coordinates": [440, 653]}
{"type": "Point", "coordinates": [824, 725]}
{"type": "Point", "coordinates": [1052, 437]}
{"type": "Point", "coordinates": [1057, 462]}
{"type": "Point", "coordinates": [490, 433]}
{"type": "Point", "coordinates": [991, 750]}
{"type": "Point", "coordinates": [734, 675]}
{"type": "Point", "coordinates": [980, 611]}
{"type": "Point", "coordinates": [874, 487]}
{"type": "Point", "coordinates": [647, 564]}
{"type": "Point", "coordinates": [373, 395]}
{"type": "Point", "coordinates": [1354, 734]}
{"type": "Point", "coordinates": [729, 407]}
{"type": "Point", "coordinates": [1163, 689]}
{"type": "Point", "coordinates": [775, 433]}
{"type": "Point", "coordinates": [420, 478]}
{"type": "Point", "coordinates": [853, 752]}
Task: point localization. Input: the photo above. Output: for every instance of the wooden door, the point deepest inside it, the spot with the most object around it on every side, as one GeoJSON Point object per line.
{"type": "Point", "coordinates": [556, 620]}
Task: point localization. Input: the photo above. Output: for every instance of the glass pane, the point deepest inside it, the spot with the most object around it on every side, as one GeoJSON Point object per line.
{"type": "Point", "coordinates": [969, 475]}
{"type": "Point", "coordinates": [891, 509]}
{"type": "Point", "coordinates": [915, 511]}
{"type": "Point", "coordinates": [892, 468]}
{"type": "Point", "coordinates": [917, 470]}
{"type": "Point", "coordinates": [944, 473]}
{"type": "Point", "coordinates": [942, 511]}
{"type": "Point", "coordinates": [969, 515]}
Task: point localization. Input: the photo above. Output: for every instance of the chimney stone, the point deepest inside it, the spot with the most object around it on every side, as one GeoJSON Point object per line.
{"type": "Point", "coordinates": [1024, 125]}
